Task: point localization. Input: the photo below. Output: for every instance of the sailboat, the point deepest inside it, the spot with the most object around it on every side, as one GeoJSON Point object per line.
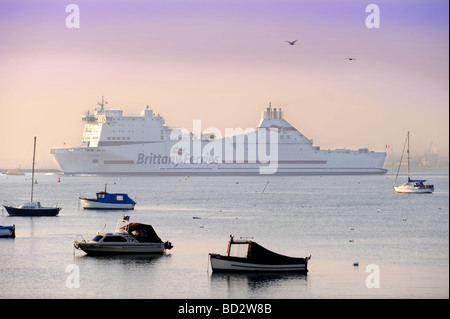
{"type": "Point", "coordinates": [413, 185]}
{"type": "Point", "coordinates": [32, 208]}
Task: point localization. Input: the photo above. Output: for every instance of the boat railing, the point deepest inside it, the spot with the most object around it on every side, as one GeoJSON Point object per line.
{"type": "Point", "coordinates": [122, 225]}
{"type": "Point", "coordinates": [78, 236]}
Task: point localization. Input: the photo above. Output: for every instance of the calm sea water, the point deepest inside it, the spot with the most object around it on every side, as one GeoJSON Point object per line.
{"type": "Point", "coordinates": [400, 241]}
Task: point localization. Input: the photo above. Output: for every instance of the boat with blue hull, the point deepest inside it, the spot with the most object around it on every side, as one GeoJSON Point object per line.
{"type": "Point", "coordinates": [105, 200]}
{"type": "Point", "coordinates": [32, 209]}
{"type": "Point", "coordinates": [8, 231]}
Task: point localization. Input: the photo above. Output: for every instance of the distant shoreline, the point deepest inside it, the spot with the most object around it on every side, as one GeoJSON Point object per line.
{"type": "Point", "coordinates": [43, 170]}
{"type": "Point", "coordinates": [391, 170]}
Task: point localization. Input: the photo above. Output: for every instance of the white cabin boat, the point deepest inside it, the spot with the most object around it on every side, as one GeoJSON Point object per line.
{"type": "Point", "coordinates": [248, 256]}
{"type": "Point", "coordinates": [129, 238]}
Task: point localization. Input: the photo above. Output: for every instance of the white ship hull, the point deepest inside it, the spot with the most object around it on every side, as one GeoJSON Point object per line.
{"type": "Point", "coordinates": [121, 160]}
{"type": "Point", "coordinates": [90, 204]}
{"type": "Point", "coordinates": [117, 144]}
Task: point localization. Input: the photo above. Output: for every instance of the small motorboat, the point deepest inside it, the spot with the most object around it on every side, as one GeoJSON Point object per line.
{"type": "Point", "coordinates": [15, 171]}
{"type": "Point", "coordinates": [128, 238]}
{"type": "Point", "coordinates": [32, 208]}
{"type": "Point", "coordinates": [8, 231]}
{"type": "Point", "coordinates": [105, 200]}
{"type": "Point", "coordinates": [248, 256]}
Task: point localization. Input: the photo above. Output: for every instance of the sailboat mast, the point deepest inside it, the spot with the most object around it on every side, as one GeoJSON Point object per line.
{"type": "Point", "coordinates": [32, 170]}
{"type": "Point", "coordinates": [408, 156]}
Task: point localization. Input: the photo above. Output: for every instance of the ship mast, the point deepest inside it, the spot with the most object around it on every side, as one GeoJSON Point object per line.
{"type": "Point", "coordinates": [32, 170]}
{"type": "Point", "coordinates": [407, 151]}
{"type": "Point", "coordinates": [101, 104]}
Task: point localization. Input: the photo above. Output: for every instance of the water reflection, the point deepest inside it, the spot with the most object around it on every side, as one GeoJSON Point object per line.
{"type": "Point", "coordinates": [257, 283]}
{"type": "Point", "coordinates": [120, 276]}
{"type": "Point", "coordinates": [129, 260]}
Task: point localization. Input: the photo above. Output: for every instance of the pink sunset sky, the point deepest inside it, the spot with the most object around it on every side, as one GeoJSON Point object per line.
{"type": "Point", "coordinates": [223, 62]}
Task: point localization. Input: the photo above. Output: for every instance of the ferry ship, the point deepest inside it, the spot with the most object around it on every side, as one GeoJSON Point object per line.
{"type": "Point", "coordinates": [113, 143]}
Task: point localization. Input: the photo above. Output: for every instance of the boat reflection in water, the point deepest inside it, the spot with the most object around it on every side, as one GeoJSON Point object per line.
{"type": "Point", "coordinates": [128, 260]}
{"type": "Point", "coordinates": [240, 284]}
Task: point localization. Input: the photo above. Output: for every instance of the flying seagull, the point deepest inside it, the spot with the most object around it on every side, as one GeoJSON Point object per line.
{"type": "Point", "coordinates": [350, 59]}
{"type": "Point", "coordinates": [291, 42]}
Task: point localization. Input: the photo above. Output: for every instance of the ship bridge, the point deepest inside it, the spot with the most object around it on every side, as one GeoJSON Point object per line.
{"type": "Point", "coordinates": [272, 119]}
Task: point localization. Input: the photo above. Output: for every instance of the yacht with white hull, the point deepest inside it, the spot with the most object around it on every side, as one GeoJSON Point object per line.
{"type": "Point", "coordinates": [116, 144]}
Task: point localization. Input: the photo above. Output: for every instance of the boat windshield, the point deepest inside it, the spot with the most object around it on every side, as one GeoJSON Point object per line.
{"type": "Point", "coordinates": [238, 250]}
{"type": "Point", "coordinates": [97, 238]}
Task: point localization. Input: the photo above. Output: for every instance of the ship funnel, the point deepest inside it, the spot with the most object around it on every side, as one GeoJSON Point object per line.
{"type": "Point", "coordinates": [272, 113]}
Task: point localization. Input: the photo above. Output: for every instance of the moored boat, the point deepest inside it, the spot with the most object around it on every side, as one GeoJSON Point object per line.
{"type": "Point", "coordinates": [32, 208]}
{"type": "Point", "coordinates": [415, 186]}
{"type": "Point", "coordinates": [128, 238]}
{"type": "Point", "coordinates": [105, 200]}
{"type": "Point", "coordinates": [255, 258]}
{"type": "Point", "coordinates": [8, 231]}
{"type": "Point", "coordinates": [15, 171]}
{"type": "Point", "coordinates": [412, 185]}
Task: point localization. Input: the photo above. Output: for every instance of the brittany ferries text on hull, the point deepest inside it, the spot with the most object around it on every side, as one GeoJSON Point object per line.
{"type": "Point", "coordinates": [116, 144]}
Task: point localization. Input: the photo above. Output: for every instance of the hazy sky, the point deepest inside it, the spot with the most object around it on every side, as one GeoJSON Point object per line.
{"type": "Point", "coordinates": [222, 62]}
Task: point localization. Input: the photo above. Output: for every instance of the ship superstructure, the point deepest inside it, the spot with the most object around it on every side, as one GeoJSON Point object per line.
{"type": "Point", "coordinates": [113, 143]}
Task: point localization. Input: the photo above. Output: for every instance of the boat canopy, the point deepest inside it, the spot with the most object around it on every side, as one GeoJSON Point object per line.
{"type": "Point", "coordinates": [143, 232]}
{"type": "Point", "coordinates": [416, 180]}
{"type": "Point", "coordinates": [119, 198]}
{"type": "Point", "coordinates": [259, 255]}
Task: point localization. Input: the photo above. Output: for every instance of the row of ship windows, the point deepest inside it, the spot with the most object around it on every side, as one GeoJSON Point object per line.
{"type": "Point", "coordinates": [123, 131]}
{"type": "Point", "coordinates": [102, 119]}
{"type": "Point", "coordinates": [118, 138]}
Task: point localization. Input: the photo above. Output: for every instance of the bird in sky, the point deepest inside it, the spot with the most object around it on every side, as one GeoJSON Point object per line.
{"type": "Point", "coordinates": [350, 59]}
{"type": "Point", "coordinates": [291, 42]}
